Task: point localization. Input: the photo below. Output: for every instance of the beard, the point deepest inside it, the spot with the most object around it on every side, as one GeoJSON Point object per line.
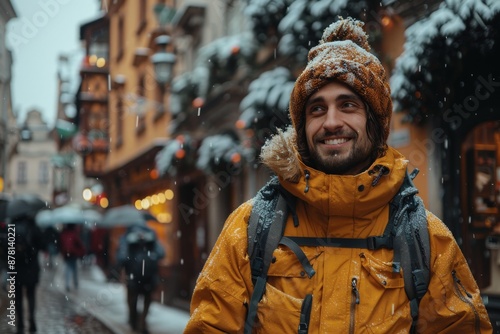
{"type": "Point", "coordinates": [357, 160]}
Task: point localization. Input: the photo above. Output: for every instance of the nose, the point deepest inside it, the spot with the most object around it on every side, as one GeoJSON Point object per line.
{"type": "Point", "coordinates": [333, 119]}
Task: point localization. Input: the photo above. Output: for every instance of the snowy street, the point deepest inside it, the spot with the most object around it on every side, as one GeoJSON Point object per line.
{"type": "Point", "coordinates": [97, 306]}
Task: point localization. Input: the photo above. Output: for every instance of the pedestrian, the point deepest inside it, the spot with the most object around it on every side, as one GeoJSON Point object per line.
{"type": "Point", "coordinates": [99, 242]}
{"type": "Point", "coordinates": [335, 162]}
{"type": "Point", "coordinates": [51, 237]}
{"type": "Point", "coordinates": [72, 249]}
{"type": "Point", "coordinates": [139, 253]}
{"type": "Point", "coordinates": [28, 243]}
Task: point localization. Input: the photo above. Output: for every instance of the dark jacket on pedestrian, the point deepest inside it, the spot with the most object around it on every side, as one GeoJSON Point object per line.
{"type": "Point", "coordinates": [139, 253]}
{"type": "Point", "coordinates": [29, 242]}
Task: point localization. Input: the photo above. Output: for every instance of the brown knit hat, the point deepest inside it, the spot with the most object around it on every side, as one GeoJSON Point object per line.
{"type": "Point", "coordinates": [343, 55]}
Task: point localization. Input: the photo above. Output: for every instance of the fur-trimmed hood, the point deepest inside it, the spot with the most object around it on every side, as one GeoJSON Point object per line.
{"type": "Point", "coordinates": [281, 156]}
{"type": "Point", "coordinates": [350, 195]}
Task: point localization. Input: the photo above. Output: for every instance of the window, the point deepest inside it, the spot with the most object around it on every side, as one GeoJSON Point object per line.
{"type": "Point", "coordinates": [119, 121]}
{"type": "Point", "coordinates": [121, 38]}
{"type": "Point", "coordinates": [141, 104]}
{"type": "Point", "coordinates": [22, 174]}
{"type": "Point", "coordinates": [142, 16]}
{"type": "Point", "coordinates": [43, 172]}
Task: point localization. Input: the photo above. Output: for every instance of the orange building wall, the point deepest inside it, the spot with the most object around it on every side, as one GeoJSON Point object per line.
{"type": "Point", "coordinates": [419, 148]}
{"type": "Point", "coordinates": [134, 38]}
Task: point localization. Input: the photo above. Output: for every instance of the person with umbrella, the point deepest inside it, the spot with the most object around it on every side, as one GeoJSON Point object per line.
{"type": "Point", "coordinates": [139, 253]}
{"type": "Point", "coordinates": [29, 241]}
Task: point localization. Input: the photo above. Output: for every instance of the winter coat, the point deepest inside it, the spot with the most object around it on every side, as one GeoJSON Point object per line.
{"type": "Point", "coordinates": [27, 262]}
{"type": "Point", "coordinates": [335, 206]}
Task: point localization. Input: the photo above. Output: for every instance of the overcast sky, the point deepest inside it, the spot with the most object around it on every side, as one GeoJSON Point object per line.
{"type": "Point", "coordinates": [42, 30]}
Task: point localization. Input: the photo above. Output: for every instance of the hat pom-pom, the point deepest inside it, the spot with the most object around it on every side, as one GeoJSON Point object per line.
{"type": "Point", "coordinates": [346, 29]}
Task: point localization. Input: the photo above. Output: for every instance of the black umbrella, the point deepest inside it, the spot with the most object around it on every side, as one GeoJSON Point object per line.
{"type": "Point", "coordinates": [25, 206]}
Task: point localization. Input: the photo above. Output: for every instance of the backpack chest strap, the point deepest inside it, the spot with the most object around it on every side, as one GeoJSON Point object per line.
{"type": "Point", "coordinates": [371, 243]}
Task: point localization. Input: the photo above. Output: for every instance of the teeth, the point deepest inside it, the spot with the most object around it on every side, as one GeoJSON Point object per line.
{"type": "Point", "coordinates": [335, 141]}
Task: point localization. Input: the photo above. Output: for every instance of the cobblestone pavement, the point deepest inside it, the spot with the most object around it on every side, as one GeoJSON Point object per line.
{"type": "Point", "coordinates": [55, 311]}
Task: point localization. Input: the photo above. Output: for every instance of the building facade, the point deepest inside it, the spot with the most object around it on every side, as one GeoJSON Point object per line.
{"type": "Point", "coordinates": [7, 120]}
{"type": "Point", "coordinates": [31, 166]}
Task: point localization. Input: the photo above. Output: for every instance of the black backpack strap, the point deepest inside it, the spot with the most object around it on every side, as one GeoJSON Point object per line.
{"type": "Point", "coordinates": [299, 253]}
{"type": "Point", "coordinates": [411, 243]}
{"type": "Point", "coordinates": [372, 243]}
{"type": "Point", "coordinates": [264, 237]}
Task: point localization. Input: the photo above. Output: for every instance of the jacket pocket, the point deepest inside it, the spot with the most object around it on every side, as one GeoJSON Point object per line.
{"type": "Point", "coordinates": [384, 306]}
{"type": "Point", "coordinates": [278, 312]}
{"type": "Point", "coordinates": [286, 264]}
{"type": "Point", "coordinates": [286, 305]}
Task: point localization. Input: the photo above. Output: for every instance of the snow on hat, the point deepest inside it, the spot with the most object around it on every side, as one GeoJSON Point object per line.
{"type": "Point", "coordinates": [343, 55]}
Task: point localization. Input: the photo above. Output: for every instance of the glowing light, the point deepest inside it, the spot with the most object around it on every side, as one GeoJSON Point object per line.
{"type": "Point", "coordinates": [236, 158]}
{"type": "Point", "coordinates": [235, 49]}
{"type": "Point", "coordinates": [92, 60]}
{"type": "Point", "coordinates": [101, 62]}
{"type": "Point", "coordinates": [387, 22]}
{"type": "Point", "coordinates": [145, 204]}
{"type": "Point", "coordinates": [138, 204]}
{"type": "Point", "coordinates": [153, 174]}
{"type": "Point", "coordinates": [155, 199]}
{"type": "Point", "coordinates": [161, 198]}
{"type": "Point", "coordinates": [104, 203]}
{"type": "Point", "coordinates": [87, 194]}
{"type": "Point", "coordinates": [240, 124]}
{"type": "Point", "coordinates": [180, 153]}
{"type": "Point", "coordinates": [198, 102]}
{"type": "Point", "coordinates": [169, 194]}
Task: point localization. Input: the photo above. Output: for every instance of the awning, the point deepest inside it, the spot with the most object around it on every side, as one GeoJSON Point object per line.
{"type": "Point", "coordinates": [65, 129]}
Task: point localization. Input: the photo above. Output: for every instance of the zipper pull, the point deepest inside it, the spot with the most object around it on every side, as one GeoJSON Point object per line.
{"type": "Point", "coordinates": [354, 285]}
{"type": "Point", "coordinates": [307, 175]}
{"type": "Point", "coordinates": [457, 280]}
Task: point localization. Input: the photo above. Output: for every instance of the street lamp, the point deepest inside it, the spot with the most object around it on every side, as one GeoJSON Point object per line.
{"type": "Point", "coordinates": [163, 61]}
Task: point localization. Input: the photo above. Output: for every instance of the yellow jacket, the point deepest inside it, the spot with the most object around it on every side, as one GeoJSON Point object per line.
{"type": "Point", "coordinates": [337, 207]}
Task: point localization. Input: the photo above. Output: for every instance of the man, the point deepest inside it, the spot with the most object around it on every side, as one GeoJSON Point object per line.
{"type": "Point", "coordinates": [335, 161]}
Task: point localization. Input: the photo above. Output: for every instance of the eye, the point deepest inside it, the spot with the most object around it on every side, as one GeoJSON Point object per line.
{"type": "Point", "coordinates": [315, 109]}
{"type": "Point", "coordinates": [350, 106]}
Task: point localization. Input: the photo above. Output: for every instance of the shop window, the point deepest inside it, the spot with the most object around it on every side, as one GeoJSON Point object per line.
{"type": "Point", "coordinates": [483, 170]}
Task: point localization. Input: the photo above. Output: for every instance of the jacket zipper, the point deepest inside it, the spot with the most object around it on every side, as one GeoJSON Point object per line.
{"type": "Point", "coordinates": [305, 314]}
{"type": "Point", "coordinates": [465, 296]}
{"type": "Point", "coordinates": [354, 302]}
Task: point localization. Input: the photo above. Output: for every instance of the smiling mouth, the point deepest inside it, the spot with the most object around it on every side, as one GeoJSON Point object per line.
{"type": "Point", "coordinates": [336, 141]}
